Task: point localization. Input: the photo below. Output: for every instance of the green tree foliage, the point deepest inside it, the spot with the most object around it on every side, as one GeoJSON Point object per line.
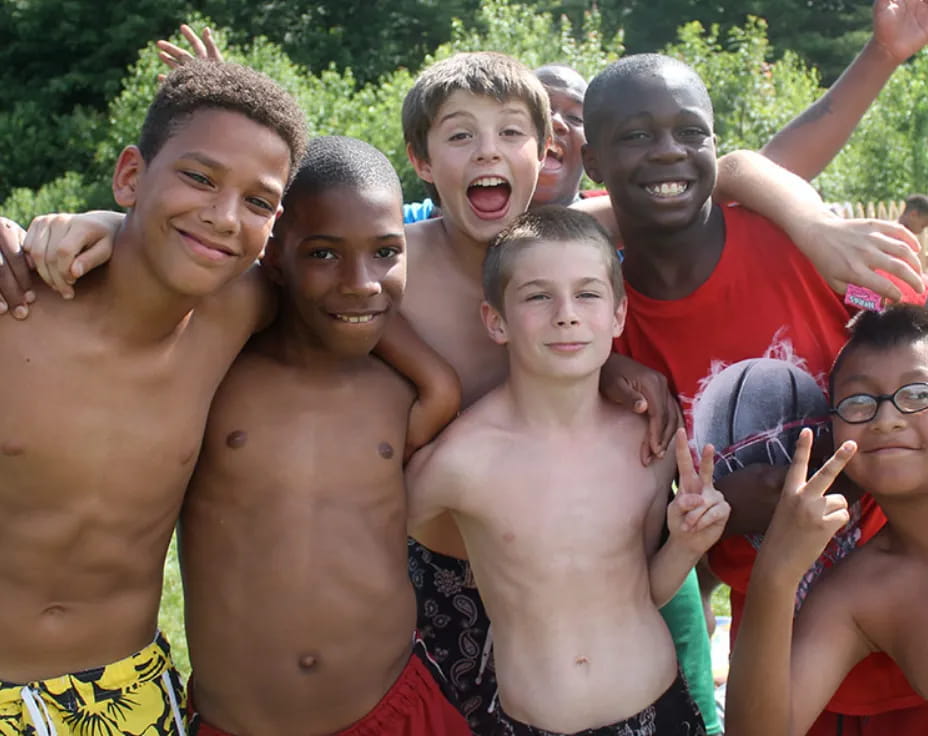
{"type": "Point", "coordinates": [753, 97]}
{"type": "Point", "coordinates": [60, 61]}
{"type": "Point", "coordinates": [824, 33]}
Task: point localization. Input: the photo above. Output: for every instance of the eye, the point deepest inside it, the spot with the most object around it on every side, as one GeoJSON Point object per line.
{"type": "Point", "coordinates": [197, 177]}
{"type": "Point", "coordinates": [461, 136]}
{"type": "Point", "coordinates": [512, 132]}
{"type": "Point", "coordinates": [589, 295]}
{"type": "Point", "coordinates": [537, 297]}
{"type": "Point", "coordinates": [633, 136]}
{"type": "Point", "coordinates": [322, 254]}
{"type": "Point", "coordinates": [694, 132]}
{"type": "Point", "coordinates": [260, 203]}
{"type": "Point", "coordinates": [574, 120]}
{"type": "Point", "coordinates": [387, 251]}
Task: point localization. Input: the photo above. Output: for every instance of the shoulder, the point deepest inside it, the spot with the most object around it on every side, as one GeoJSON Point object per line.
{"type": "Point", "coordinates": [745, 226]}
{"type": "Point", "coordinates": [468, 447]}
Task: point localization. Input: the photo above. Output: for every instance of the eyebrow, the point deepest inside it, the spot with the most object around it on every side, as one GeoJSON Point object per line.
{"type": "Point", "coordinates": [268, 186]}
{"type": "Point", "coordinates": [336, 239]}
{"type": "Point", "coordinates": [472, 116]}
{"type": "Point", "coordinates": [914, 376]}
{"type": "Point", "coordinates": [546, 282]}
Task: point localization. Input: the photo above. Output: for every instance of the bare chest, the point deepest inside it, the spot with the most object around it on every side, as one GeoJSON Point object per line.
{"type": "Point", "coordinates": [568, 504]}
{"type": "Point", "coordinates": [81, 415]}
{"type": "Point", "coordinates": [312, 445]}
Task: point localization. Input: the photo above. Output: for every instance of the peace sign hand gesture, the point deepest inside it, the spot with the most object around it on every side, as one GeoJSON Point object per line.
{"type": "Point", "coordinates": [807, 517]}
{"type": "Point", "coordinates": [698, 513]}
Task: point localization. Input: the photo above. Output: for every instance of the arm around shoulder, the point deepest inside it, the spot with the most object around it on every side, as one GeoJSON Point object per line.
{"type": "Point", "coordinates": [435, 476]}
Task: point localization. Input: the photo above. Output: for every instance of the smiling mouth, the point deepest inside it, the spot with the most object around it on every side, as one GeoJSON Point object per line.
{"type": "Point", "coordinates": [355, 319]}
{"type": "Point", "coordinates": [213, 249]}
{"type": "Point", "coordinates": [667, 189]}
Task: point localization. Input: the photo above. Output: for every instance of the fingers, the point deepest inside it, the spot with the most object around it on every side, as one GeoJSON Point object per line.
{"type": "Point", "coordinates": [15, 279]}
{"type": "Point", "coordinates": [706, 466]}
{"type": "Point", "coordinates": [705, 516]}
{"type": "Point", "coordinates": [36, 244]}
{"type": "Point", "coordinates": [199, 48]}
{"type": "Point", "coordinates": [53, 245]}
{"type": "Point", "coordinates": [685, 468]}
{"type": "Point", "coordinates": [819, 483]}
{"type": "Point", "coordinates": [212, 50]}
{"type": "Point", "coordinates": [171, 54]}
{"type": "Point", "coordinates": [98, 254]}
{"type": "Point", "coordinates": [799, 467]}
{"type": "Point", "coordinates": [674, 422]}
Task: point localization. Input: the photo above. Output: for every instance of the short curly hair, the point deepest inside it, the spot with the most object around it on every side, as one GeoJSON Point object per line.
{"type": "Point", "coordinates": [200, 84]}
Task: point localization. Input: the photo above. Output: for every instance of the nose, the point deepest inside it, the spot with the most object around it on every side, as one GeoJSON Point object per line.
{"type": "Point", "coordinates": [667, 148]}
{"type": "Point", "coordinates": [487, 148]}
{"type": "Point", "coordinates": [359, 279]}
{"type": "Point", "coordinates": [888, 418]}
{"type": "Point", "coordinates": [222, 212]}
{"type": "Point", "coordinates": [558, 124]}
{"type": "Point", "coordinates": [565, 313]}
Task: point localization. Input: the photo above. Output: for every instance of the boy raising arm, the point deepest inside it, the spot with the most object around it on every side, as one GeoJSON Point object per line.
{"type": "Point", "coordinates": [559, 517]}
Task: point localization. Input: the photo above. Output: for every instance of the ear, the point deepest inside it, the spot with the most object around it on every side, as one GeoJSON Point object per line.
{"type": "Point", "coordinates": [494, 322]}
{"type": "Point", "coordinates": [271, 260]}
{"type": "Point", "coordinates": [588, 154]}
{"type": "Point", "coordinates": [422, 166]}
{"type": "Point", "coordinates": [126, 176]}
{"type": "Point", "coordinates": [621, 309]}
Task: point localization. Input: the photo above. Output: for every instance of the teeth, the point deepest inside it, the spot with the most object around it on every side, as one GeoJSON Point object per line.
{"type": "Point", "coordinates": [667, 188]}
{"type": "Point", "coordinates": [355, 318]}
{"type": "Point", "coordinates": [488, 181]}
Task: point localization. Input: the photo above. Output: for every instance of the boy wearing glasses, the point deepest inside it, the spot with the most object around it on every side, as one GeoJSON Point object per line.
{"type": "Point", "coordinates": [875, 600]}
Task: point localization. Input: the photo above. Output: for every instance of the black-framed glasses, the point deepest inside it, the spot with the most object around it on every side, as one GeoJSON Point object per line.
{"type": "Point", "coordinates": [860, 408]}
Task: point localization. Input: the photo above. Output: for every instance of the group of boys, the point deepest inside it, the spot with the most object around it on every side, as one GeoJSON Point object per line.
{"type": "Point", "coordinates": [300, 614]}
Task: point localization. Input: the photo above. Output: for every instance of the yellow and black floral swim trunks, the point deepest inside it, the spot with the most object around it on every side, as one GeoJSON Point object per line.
{"type": "Point", "coordinates": [140, 695]}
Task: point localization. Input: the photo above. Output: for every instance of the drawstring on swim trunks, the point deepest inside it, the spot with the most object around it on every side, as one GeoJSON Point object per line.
{"type": "Point", "coordinates": [32, 700]}
{"type": "Point", "coordinates": [175, 708]}
{"type": "Point", "coordinates": [485, 656]}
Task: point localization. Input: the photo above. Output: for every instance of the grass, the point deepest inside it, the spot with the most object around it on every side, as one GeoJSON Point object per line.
{"type": "Point", "coordinates": [171, 618]}
{"type": "Point", "coordinates": [172, 609]}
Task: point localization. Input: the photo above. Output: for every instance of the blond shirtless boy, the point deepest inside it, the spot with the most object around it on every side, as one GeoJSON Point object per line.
{"type": "Point", "coordinates": [105, 402]}
{"type": "Point", "coordinates": [307, 625]}
{"type": "Point", "coordinates": [875, 600]}
{"type": "Point", "coordinates": [561, 521]}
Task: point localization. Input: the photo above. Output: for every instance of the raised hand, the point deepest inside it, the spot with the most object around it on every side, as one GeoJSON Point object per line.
{"type": "Point", "coordinates": [807, 517]}
{"type": "Point", "coordinates": [900, 27]}
{"type": "Point", "coordinates": [698, 513]}
{"type": "Point", "coordinates": [203, 48]}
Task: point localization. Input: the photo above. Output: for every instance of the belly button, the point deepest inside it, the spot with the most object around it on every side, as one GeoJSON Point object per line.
{"type": "Point", "coordinates": [582, 660]}
{"type": "Point", "coordinates": [307, 662]}
{"type": "Point", "coordinates": [236, 439]}
{"type": "Point", "coordinates": [12, 448]}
